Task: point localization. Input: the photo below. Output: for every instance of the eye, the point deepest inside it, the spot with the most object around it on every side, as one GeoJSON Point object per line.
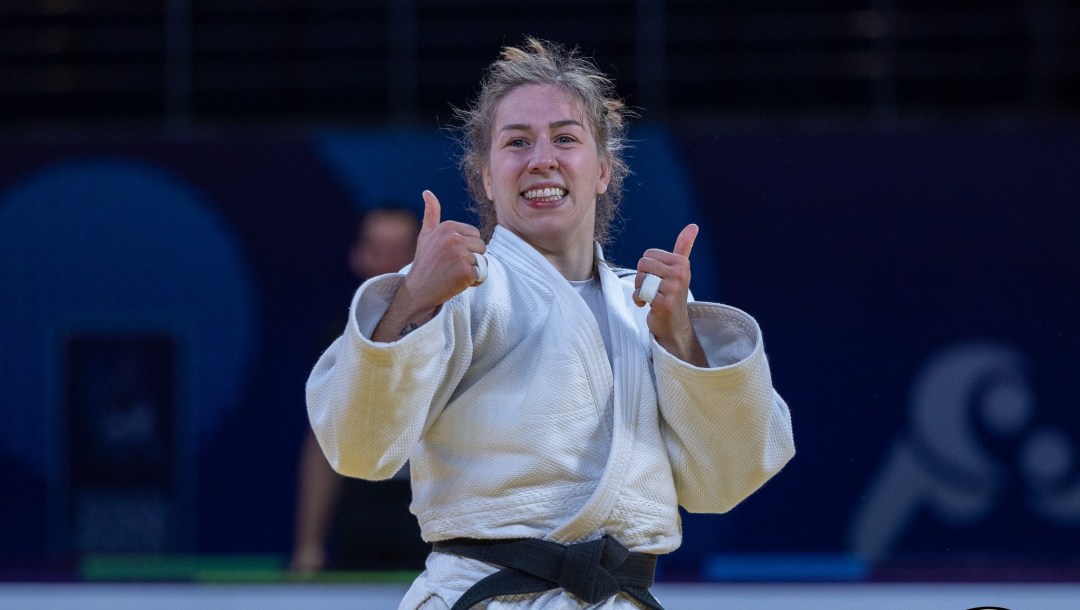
{"type": "Point", "coordinates": [565, 139]}
{"type": "Point", "coordinates": [517, 143]}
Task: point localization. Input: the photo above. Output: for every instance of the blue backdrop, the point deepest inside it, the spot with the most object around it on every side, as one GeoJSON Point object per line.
{"type": "Point", "coordinates": [917, 290]}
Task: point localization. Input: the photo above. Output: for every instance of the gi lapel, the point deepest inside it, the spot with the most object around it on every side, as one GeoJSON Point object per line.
{"type": "Point", "coordinates": [629, 365]}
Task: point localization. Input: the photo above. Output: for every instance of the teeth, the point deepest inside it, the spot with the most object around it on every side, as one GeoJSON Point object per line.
{"type": "Point", "coordinates": [552, 193]}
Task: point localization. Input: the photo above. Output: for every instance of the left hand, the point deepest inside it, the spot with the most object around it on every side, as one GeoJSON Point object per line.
{"type": "Point", "coordinates": [669, 319]}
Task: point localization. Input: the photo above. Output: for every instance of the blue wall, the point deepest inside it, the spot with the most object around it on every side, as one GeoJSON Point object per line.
{"type": "Point", "coordinates": [917, 290]}
{"type": "Point", "coordinates": [919, 293]}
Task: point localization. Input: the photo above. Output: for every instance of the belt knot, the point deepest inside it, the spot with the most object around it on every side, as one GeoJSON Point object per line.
{"type": "Point", "coordinates": [590, 571]}
{"type": "Point", "coordinates": [587, 567]}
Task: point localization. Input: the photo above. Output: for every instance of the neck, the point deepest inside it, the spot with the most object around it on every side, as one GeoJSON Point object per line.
{"type": "Point", "coordinates": [577, 263]}
{"type": "Point", "coordinates": [574, 270]}
{"type": "Point", "coordinates": [574, 261]}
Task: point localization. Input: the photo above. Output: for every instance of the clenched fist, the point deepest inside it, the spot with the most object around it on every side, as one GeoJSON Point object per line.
{"type": "Point", "coordinates": [445, 265]}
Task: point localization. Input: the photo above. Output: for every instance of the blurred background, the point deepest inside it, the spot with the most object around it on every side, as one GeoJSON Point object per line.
{"type": "Point", "coordinates": [889, 186]}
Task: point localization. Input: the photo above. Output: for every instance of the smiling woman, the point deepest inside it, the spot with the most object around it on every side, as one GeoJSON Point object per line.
{"type": "Point", "coordinates": [553, 421]}
{"type": "Point", "coordinates": [596, 108]}
{"type": "Point", "coordinates": [544, 175]}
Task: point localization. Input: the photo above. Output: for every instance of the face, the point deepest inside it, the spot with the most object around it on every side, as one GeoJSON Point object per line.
{"type": "Point", "coordinates": [544, 171]}
{"type": "Point", "coordinates": [384, 244]}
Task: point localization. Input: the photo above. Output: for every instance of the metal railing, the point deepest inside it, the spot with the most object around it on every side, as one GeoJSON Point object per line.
{"type": "Point", "coordinates": [183, 63]}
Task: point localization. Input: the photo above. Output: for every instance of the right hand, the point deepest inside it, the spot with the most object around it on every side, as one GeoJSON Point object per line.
{"type": "Point", "coordinates": [445, 256]}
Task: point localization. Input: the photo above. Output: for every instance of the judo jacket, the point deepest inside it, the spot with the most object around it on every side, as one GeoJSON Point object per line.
{"type": "Point", "coordinates": [516, 424]}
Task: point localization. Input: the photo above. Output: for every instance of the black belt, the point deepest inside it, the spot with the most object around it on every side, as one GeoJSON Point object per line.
{"type": "Point", "coordinates": [592, 571]}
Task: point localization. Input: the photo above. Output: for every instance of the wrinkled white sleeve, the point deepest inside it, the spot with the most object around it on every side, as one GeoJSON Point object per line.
{"type": "Point", "coordinates": [369, 402]}
{"type": "Point", "coordinates": [726, 429]}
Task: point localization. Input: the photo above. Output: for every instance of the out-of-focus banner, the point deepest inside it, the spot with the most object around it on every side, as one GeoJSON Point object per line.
{"type": "Point", "coordinates": [162, 300]}
{"type": "Point", "coordinates": [919, 293]}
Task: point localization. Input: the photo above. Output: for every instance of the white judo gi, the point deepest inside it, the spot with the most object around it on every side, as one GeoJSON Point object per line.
{"type": "Point", "coordinates": [516, 424]}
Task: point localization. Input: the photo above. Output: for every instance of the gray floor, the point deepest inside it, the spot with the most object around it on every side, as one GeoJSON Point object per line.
{"type": "Point", "coordinates": [674, 597]}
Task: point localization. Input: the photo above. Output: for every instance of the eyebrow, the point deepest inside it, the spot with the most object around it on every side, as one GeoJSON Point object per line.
{"type": "Point", "coordinates": [555, 125]}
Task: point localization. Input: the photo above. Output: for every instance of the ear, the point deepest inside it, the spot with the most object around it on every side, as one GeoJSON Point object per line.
{"type": "Point", "coordinates": [486, 175]}
{"type": "Point", "coordinates": [605, 177]}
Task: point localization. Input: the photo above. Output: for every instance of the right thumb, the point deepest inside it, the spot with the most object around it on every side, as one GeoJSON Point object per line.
{"type": "Point", "coordinates": [432, 211]}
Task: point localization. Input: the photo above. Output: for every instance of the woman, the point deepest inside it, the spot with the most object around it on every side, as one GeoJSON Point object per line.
{"type": "Point", "coordinates": [553, 420]}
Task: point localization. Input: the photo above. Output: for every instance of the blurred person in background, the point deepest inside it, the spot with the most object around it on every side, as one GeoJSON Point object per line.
{"type": "Point", "coordinates": [351, 524]}
{"type": "Point", "coordinates": [553, 419]}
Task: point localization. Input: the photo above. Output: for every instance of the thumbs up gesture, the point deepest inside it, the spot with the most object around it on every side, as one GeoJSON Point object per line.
{"type": "Point", "coordinates": [446, 256]}
{"type": "Point", "coordinates": [669, 318]}
{"type": "Point", "coordinates": [446, 264]}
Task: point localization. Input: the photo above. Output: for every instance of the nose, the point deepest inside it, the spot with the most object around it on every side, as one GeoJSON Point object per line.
{"type": "Point", "coordinates": [543, 157]}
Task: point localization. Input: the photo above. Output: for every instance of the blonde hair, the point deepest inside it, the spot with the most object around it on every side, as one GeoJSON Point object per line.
{"type": "Point", "coordinates": [539, 62]}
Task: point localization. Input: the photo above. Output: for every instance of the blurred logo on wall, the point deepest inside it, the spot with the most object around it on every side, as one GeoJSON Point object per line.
{"type": "Point", "coordinates": [121, 463]}
{"type": "Point", "coordinates": [973, 439]}
{"type": "Point", "coordinates": [129, 325]}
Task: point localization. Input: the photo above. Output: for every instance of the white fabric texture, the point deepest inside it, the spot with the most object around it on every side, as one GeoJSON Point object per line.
{"type": "Point", "coordinates": [516, 424]}
{"type": "Point", "coordinates": [592, 293]}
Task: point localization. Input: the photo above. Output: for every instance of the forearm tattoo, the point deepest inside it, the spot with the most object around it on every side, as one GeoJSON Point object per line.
{"type": "Point", "coordinates": [411, 326]}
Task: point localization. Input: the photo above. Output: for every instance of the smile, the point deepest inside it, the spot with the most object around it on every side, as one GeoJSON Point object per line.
{"type": "Point", "coordinates": [545, 195]}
